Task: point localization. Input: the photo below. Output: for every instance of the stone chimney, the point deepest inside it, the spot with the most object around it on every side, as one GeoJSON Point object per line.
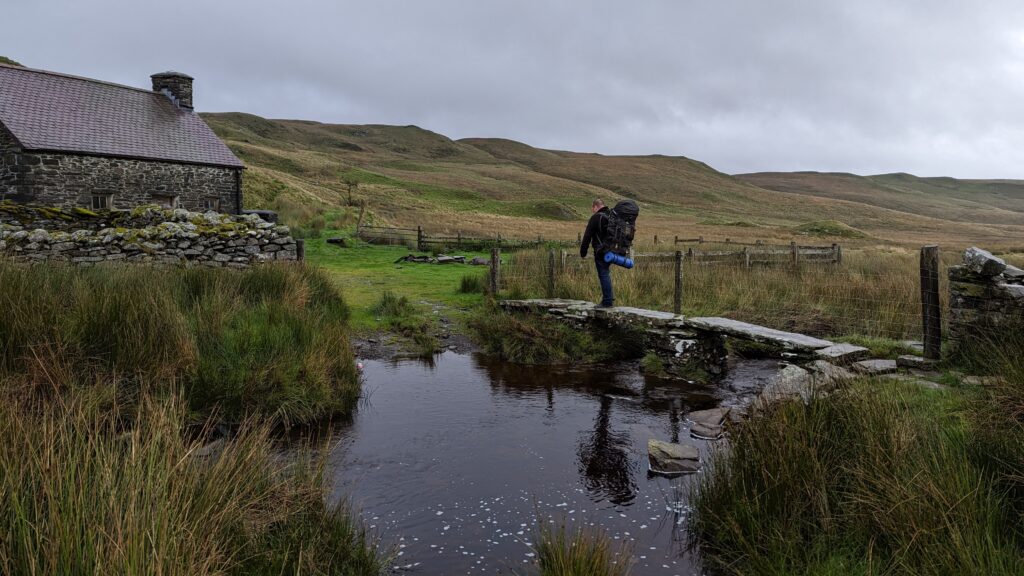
{"type": "Point", "coordinates": [177, 87]}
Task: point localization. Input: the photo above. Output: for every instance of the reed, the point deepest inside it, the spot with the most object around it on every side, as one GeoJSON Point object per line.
{"type": "Point", "coordinates": [878, 478]}
{"type": "Point", "coordinates": [270, 340]}
{"type": "Point", "coordinates": [562, 551]}
{"type": "Point", "coordinates": [123, 490]}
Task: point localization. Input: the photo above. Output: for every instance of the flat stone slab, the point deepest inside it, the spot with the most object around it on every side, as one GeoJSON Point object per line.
{"type": "Point", "coordinates": [745, 330]}
{"type": "Point", "coordinates": [1013, 272]}
{"type": "Point", "coordinates": [911, 361]}
{"type": "Point", "coordinates": [875, 367]}
{"type": "Point", "coordinates": [669, 458]}
{"type": "Point", "coordinates": [629, 314]}
{"type": "Point", "coordinates": [708, 424]}
{"type": "Point", "coordinates": [843, 353]}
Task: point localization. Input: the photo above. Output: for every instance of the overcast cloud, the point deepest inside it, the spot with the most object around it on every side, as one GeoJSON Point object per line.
{"type": "Point", "coordinates": [929, 87]}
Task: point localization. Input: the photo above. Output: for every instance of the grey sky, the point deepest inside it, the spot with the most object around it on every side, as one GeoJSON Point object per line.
{"type": "Point", "coordinates": [930, 87]}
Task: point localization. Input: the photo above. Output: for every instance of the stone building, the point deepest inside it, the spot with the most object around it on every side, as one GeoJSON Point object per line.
{"type": "Point", "coordinates": [69, 141]}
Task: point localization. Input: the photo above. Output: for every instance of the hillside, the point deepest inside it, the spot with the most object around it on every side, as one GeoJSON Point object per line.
{"type": "Point", "coordinates": [982, 201]}
{"type": "Point", "coordinates": [409, 176]}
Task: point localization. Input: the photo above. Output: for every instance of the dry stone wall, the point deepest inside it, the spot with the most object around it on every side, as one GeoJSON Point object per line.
{"type": "Point", "coordinates": [986, 298]}
{"type": "Point", "coordinates": [146, 234]}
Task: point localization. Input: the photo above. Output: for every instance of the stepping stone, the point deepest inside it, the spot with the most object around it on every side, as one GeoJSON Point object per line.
{"type": "Point", "coordinates": [745, 330]}
{"type": "Point", "coordinates": [922, 382]}
{"type": "Point", "coordinates": [918, 362]}
{"type": "Point", "coordinates": [671, 459]}
{"type": "Point", "coordinates": [708, 424]}
{"type": "Point", "coordinates": [843, 353]}
{"type": "Point", "coordinates": [874, 367]}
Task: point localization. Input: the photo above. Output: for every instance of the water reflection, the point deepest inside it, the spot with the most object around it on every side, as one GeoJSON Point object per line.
{"type": "Point", "coordinates": [604, 458]}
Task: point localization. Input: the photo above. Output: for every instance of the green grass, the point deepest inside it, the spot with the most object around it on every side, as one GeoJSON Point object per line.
{"type": "Point", "coordinates": [271, 340]}
{"type": "Point", "coordinates": [8, 61]}
{"type": "Point", "coordinates": [401, 317]}
{"type": "Point", "coordinates": [881, 347]}
{"type": "Point", "coordinates": [881, 477]}
{"type": "Point", "coordinates": [830, 228]}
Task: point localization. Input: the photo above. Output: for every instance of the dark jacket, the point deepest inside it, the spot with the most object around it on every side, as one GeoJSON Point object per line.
{"type": "Point", "coordinates": [597, 227]}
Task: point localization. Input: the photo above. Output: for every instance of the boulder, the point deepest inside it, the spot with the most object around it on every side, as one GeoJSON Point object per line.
{"type": "Point", "coordinates": [669, 458]}
{"type": "Point", "coordinates": [983, 263]}
{"type": "Point", "coordinates": [1013, 273]}
{"type": "Point", "coordinates": [708, 424]}
{"type": "Point", "coordinates": [875, 367]}
{"type": "Point", "coordinates": [826, 374]}
{"type": "Point", "coordinates": [479, 261]}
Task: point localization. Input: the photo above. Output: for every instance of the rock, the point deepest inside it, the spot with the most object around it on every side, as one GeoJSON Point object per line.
{"type": "Point", "coordinates": [1014, 290]}
{"type": "Point", "coordinates": [916, 380]}
{"type": "Point", "coordinates": [828, 375]}
{"type": "Point", "coordinates": [792, 381]}
{"type": "Point", "coordinates": [843, 353]}
{"type": "Point", "coordinates": [479, 261]}
{"type": "Point", "coordinates": [875, 367]}
{"type": "Point", "coordinates": [669, 458]}
{"type": "Point", "coordinates": [911, 361]}
{"type": "Point", "coordinates": [1013, 273]}
{"type": "Point", "coordinates": [444, 260]}
{"type": "Point", "coordinates": [708, 424]}
{"type": "Point", "coordinates": [39, 236]}
{"type": "Point", "coordinates": [983, 263]}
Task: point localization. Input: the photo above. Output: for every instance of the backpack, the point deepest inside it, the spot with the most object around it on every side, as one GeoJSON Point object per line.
{"type": "Point", "coordinates": [621, 227]}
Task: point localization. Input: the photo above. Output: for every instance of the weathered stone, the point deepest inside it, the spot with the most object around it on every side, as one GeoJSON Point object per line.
{"type": "Point", "coordinates": [791, 381]}
{"type": "Point", "coordinates": [842, 353]}
{"type": "Point", "coordinates": [912, 361]}
{"type": "Point", "coordinates": [1012, 272]}
{"type": "Point", "coordinates": [983, 263]}
{"type": "Point", "coordinates": [669, 458]}
{"type": "Point", "coordinates": [827, 375]}
{"type": "Point", "coordinates": [787, 340]}
{"type": "Point", "coordinates": [874, 367]}
{"type": "Point", "coordinates": [1014, 290]}
{"type": "Point", "coordinates": [708, 424]}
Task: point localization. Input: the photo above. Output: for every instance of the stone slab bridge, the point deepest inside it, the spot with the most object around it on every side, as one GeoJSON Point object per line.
{"type": "Point", "coordinates": [688, 346]}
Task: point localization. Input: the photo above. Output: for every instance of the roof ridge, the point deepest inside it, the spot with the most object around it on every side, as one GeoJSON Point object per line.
{"type": "Point", "coordinates": [74, 77]}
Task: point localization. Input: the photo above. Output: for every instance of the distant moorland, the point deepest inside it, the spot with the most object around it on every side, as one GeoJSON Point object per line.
{"type": "Point", "coordinates": [408, 175]}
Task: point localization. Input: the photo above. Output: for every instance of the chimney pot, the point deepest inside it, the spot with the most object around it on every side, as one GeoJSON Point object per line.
{"type": "Point", "coordinates": [177, 85]}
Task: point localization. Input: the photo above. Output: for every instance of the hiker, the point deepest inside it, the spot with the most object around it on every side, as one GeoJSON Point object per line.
{"type": "Point", "coordinates": [597, 230]}
{"type": "Point", "coordinates": [611, 233]}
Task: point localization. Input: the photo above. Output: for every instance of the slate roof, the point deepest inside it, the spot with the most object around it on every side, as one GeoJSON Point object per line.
{"type": "Point", "coordinates": [61, 113]}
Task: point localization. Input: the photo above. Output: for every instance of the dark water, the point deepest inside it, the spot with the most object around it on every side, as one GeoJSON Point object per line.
{"type": "Point", "coordinates": [452, 463]}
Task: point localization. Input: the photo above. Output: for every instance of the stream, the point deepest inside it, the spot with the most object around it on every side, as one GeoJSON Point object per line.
{"type": "Point", "coordinates": [452, 461]}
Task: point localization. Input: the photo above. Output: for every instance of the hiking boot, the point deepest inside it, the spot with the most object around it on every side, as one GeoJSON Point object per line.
{"type": "Point", "coordinates": [605, 306]}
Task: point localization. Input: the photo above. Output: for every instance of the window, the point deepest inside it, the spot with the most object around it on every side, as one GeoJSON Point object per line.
{"type": "Point", "coordinates": [212, 204]}
{"type": "Point", "coordinates": [101, 201]}
{"type": "Point", "coordinates": [165, 200]}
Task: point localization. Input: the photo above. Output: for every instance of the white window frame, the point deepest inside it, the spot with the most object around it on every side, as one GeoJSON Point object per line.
{"type": "Point", "coordinates": [106, 199]}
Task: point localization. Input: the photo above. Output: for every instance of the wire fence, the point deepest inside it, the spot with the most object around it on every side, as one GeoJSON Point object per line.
{"type": "Point", "coordinates": [423, 241]}
{"type": "Point", "coordinates": [873, 294]}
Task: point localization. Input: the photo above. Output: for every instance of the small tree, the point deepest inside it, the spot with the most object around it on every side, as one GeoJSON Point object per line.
{"type": "Point", "coordinates": [351, 184]}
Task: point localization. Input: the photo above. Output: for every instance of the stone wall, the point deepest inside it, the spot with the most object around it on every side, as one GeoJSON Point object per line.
{"type": "Point", "coordinates": [68, 180]}
{"type": "Point", "coordinates": [8, 160]}
{"type": "Point", "coordinates": [986, 298]}
{"type": "Point", "coordinates": [146, 234]}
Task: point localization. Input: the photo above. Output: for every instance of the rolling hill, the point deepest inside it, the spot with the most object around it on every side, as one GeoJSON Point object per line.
{"type": "Point", "coordinates": [409, 176]}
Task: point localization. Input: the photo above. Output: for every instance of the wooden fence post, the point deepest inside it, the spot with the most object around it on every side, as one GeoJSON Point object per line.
{"type": "Point", "coordinates": [794, 254]}
{"type": "Point", "coordinates": [551, 273]}
{"type": "Point", "coordinates": [677, 300]}
{"type": "Point", "coordinates": [458, 239]}
{"type": "Point", "coordinates": [300, 249]}
{"type": "Point", "coordinates": [746, 257]}
{"type": "Point", "coordinates": [565, 258]}
{"type": "Point", "coordinates": [677, 239]}
{"type": "Point", "coordinates": [700, 240]}
{"type": "Point", "coordinates": [495, 270]}
{"type": "Point", "coordinates": [419, 239]}
{"type": "Point", "coordinates": [931, 313]}
{"type": "Point", "coordinates": [655, 239]}
{"type": "Point", "coordinates": [359, 222]}
{"type": "Point", "coordinates": [837, 253]}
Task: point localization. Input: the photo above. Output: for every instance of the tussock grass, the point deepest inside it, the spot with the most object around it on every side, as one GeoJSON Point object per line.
{"type": "Point", "coordinates": [873, 293]}
{"type": "Point", "coordinates": [270, 340]}
{"type": "Point", "coordinates": [562, 551]}
{"type": "Point", "coordinates": [405, 319]}
{"type": "Point", "coordinates": [472, 284]}
{"type": "Point", "coordinates": [879, 478]}
{"type": "Point", "coordinates": [122, 490]}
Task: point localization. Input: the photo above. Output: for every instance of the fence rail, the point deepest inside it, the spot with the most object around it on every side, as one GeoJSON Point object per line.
{"type": "Point", "coordinates": [423, 240]}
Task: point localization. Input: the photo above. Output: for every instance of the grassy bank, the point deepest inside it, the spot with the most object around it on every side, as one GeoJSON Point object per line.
{"type": "Point", "coordinates": [112, 380]}
{"type": "Point", "coordinates": [879, 478]}
{"type": "Point", "coordinates": [270, 341]}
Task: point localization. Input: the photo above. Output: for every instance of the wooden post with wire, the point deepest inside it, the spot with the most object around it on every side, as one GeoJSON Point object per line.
{"type": "Point", "coordinates": [495, 270]}
{"type": "Point", "coordinates": [551, 273]}
{"type": "Point", "coordinates": [794, 253]}
{"type": "Point", "coordinates": [419, 239]}
{"type": "Point", "coordinates": [746, 257]}
{"type": "Point", "coordinates": [677, 300]}
{"type": "Point", "coordinates": [931, 311]}
{"type": "Point", "coordinates": [300, 249]}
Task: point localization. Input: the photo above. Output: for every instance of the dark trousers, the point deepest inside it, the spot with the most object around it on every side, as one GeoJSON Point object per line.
{"type": "Point", "coordinates": [604, 274]}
